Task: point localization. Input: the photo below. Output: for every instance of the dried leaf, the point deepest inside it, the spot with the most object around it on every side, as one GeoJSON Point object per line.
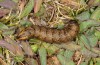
{"type": "Point", "coordinates": [70, 46]}
{"type": "Point", "coordinates": [87, 53]}
{"type": "Point", "coordinates": [53, 61]}
{"type": "Point", "coordinates": [96, 50]}
{"type": "Point", "coordinates": [21, 4]}
{"type": "Point", "coordinates": [37, 5]}
{"type": "Point", "coordinates": [40, 12]}
{"type": "Point", "coordinates": [2, 62]}
{"type": "Point", "coordinates": [71, 3]}
{"type": "Point", "coordinates": [94, 3]}
{"type": "Point", "coordinates": [8, 4]}
{"type": "Point", "coordinates": [31, 61]}
{"type": "Point", "coordinates": [3, 12]}
{"type": "Point", "coordinates": [27, 49]}
{"type": "Point", "coordinates": [12, 47]}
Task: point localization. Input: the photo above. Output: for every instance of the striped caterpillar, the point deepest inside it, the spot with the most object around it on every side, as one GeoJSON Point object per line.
{"type": "Point", "coordinates": [52, 35]}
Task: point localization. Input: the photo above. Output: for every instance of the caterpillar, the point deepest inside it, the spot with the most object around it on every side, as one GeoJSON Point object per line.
{"type": "Point", "coordinates": [52, 35]}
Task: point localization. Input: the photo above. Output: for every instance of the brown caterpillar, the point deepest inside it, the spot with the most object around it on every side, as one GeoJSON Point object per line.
{"type": "Point", "coordinates": [52, 35]}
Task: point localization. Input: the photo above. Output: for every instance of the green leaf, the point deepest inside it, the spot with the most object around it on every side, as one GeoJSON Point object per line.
{"type": "Point", "coordinates": [72, 46]}
{"type": "Point", "coordinates": [95, 50]}
{"type": "Point", "coordinates": [52, 49]}
{"type": "Point", "coordinates": [42, 54]}
{"type": "Point", "coordinates": [98, 63]}
{"type": "Point", "coordinates": [34, 47]}
{"type": "Point", "coordinates": [61, 51]}
{"type": "Point", "coordinates": [34, 40]}
{"type": "Point", "coordinates": [90, 34]}
{"type": "Point", "coordinates": [68, 54]}
{"type": "Point", "coordinates": [3, 26]}
{"type": "Point", "coordinates": [96, 14]}
{"type": "Point", "coordinates": [82, 2]}
{"type": "Point", "coordinates": [91, 62]}
{"type": "Point", "coordinates": [80, 43]}
{"type": "Point", "coordinates": [85, 41]}
{"type": "Point", "coordinates": [64, 61]}
{"type": "Point", "coordinates": [28, 8]}
{"type": "Point", "coordinates": [97, 34]}
{"type": "Point", "coordinates": [1, 0]}
{"type": "Point", "coordinates": [0, 36]}
{"type": "Point", "coordinates": [84, 63]}
{"type": "Point", "coordinates": [8, 32]}
{"type": "Point", "coordinates": [93, 40]}
{"type": "Point", "coordinates": [18, 58]}
{"type": "Point", "coordinates": [86, 24]}
{"type": "Point", "coordinates": [87, 53]}
{"type": "Point", "coordinates": [25, 23]}
{"type": "Point", "coordinates": [46, 45]}
{"type": "Point", "coordinates": [83, 16]}
{"type": "Point", "coordinates": [16, 1]}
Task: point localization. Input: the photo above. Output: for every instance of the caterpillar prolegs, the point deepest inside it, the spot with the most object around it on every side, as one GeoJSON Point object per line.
{"type": "Point", "coordinates": [52, 35]}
